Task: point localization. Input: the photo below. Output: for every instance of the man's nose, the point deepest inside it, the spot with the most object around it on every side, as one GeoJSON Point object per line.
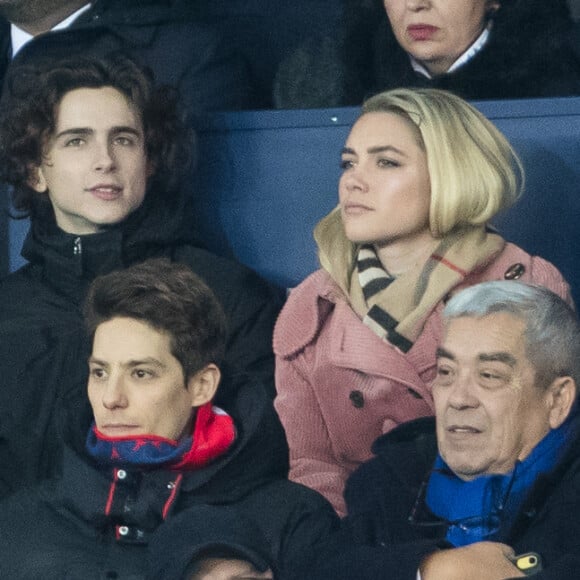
{"type": "Point", "coordinates": [114, 395]}
{"type": "Point", "coordinates": [104, 158]}
{"type": "Point", "coordinates": [462, 392]}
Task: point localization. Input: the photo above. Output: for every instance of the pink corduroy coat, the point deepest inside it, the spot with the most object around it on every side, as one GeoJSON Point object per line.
{"type": "Point", "coordinates": [340, 386]}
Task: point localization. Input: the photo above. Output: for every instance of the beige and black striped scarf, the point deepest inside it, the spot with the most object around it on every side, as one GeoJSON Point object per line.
{"type": "Point", "coordinates": [396, 308]}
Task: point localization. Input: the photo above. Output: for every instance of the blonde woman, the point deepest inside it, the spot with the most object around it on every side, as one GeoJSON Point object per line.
{"type": "Point", "coordinates": [424, 173]}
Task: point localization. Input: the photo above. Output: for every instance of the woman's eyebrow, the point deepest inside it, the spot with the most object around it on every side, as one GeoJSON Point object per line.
{"type": "Point", "coordinates": [374, 150]}
{"type": "Point", "coordinates": [383, 148]}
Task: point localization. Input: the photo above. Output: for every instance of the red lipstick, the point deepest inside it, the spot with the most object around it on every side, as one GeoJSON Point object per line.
{"type": "Point", "coordinates": [420, 32]}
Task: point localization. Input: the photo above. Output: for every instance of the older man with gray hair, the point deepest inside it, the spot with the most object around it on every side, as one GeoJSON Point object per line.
{"type": "Point", "coordinates": [490, 488]}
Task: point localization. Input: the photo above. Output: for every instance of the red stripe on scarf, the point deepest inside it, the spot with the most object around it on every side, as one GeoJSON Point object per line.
{"type": "Point", "coordinates": [449, 264]}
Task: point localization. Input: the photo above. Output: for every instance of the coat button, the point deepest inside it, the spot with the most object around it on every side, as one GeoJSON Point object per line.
{"type": "Point", "coordinates": [515, 271]}
{"type": "Point", "coordinates": [357, 399]}
{"type": "Point", "coordinates": [121, 474]}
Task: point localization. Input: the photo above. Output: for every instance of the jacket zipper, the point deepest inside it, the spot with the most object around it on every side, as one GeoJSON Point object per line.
{"type": "Point", "coordinates": [77, 247]}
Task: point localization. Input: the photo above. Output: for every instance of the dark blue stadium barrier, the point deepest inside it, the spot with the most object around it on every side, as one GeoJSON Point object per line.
{"type": "Point", "coordinates": [265, 178]}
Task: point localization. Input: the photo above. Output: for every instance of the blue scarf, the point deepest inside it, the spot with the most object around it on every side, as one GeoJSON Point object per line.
{"type": "Point", "coordinates": [476, 509]}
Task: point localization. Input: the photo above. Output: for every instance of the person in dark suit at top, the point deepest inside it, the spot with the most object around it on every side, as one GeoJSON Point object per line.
{"type": "Point", "coordinates": [189, 55]}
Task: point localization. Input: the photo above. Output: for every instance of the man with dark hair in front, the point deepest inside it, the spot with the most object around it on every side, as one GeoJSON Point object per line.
{"type": "Point", "coordinates": [159, 457]}
{"type": "Point", "coordinates": [488, 489]}
{"type": "Point", "coordinates": [94, 152]}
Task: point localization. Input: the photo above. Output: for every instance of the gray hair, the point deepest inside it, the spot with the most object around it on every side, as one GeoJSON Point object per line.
{"type": "Point", "coordinates": [552, 328]}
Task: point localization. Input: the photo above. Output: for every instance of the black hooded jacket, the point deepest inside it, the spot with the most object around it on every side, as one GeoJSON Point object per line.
{"type": "Point", "coordinates": [532, 51]}
{"type": "Point", "coordinates": [99, 522]}
{"type": "Point", "coordinates": [43, 344]}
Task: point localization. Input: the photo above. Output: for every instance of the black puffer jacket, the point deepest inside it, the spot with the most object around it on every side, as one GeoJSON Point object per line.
{"type": "Point", "coordinates": [95, 523]}
{"type": "Point", "coordinates": [187, 54]}
{"type": "Point", "coordinates": [531, 52]}
{"type": "Point", "coordinates": [43, 345]}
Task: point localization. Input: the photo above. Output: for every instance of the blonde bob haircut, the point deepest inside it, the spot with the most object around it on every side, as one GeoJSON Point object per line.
{"type": "Point", "coordinates": [475, 173]}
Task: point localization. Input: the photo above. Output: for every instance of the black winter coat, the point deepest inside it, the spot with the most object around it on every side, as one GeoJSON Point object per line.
{"type": "Point", "coordinates": [96, 522]}
{"type": "Point", "coordinates": [43, 344]}
{"type": "Point", "coordinates": [531, 52]}
{"type": "Point", "coordinates": [189, 55]}
{"type": "Point", "coordinates": [378, 541]}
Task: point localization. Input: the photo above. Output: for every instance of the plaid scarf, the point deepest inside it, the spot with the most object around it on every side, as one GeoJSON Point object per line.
{"type": "Point", "coordinates": [396, 308]}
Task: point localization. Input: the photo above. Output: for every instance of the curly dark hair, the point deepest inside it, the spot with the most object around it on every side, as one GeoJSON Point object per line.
{"type": "Point", "coordinates": [169, 297]}
{"type": "Point", "coordinates": [35, 86]}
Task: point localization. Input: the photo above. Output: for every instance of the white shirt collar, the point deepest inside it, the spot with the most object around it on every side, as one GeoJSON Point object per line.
{"type": "Point", "coordinates": [19, 37]}
{"type": "Point", "coordinates": [479, 43]}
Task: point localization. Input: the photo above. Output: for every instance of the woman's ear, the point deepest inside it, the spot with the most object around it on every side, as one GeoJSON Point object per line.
{"type": "Point", "coordinates": [36, 179]}
{"type": "Point", "coordinates": [562, 395]}
{"type": "Point", "coordinates": [203, 385]}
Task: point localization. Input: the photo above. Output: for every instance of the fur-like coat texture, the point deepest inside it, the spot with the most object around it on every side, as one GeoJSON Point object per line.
{"type": "Point", "coordinates": [532, 52]}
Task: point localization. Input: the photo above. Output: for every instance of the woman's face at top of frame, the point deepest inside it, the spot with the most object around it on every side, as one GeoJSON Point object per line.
{"type": "Point", "coordinates": [385, 187]}
{"type": "Point", "coordinates": [437, 32]}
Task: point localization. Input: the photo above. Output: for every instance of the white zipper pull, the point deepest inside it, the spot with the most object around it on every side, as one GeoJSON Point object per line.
{"type": "Point", "coordinates": [77, 247]}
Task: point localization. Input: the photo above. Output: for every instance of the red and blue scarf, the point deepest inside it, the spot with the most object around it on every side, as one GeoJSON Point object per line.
{"type": "Point", "coordinates": [212, 435]}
